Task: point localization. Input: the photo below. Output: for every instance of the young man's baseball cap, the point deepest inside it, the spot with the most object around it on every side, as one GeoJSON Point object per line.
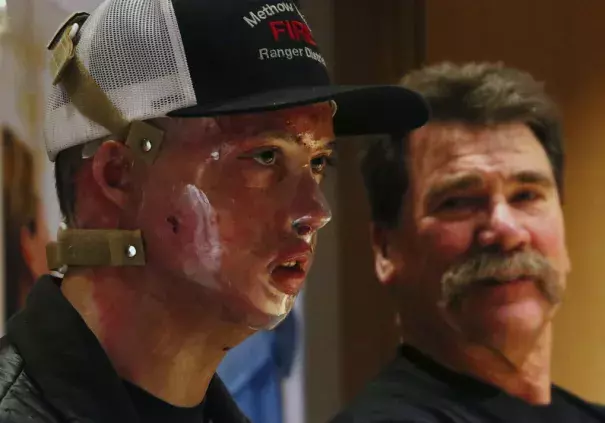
{"type": "Point", "coordinates": [133, 60]}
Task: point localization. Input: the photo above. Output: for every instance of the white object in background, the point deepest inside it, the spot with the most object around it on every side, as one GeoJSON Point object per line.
{"type": "Point", "coordinates": [1, 245]}
{"type": "Point", "coordinates": [75, 5]}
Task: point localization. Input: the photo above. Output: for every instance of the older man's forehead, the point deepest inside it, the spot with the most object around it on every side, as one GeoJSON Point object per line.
{"type": "Point", "coordinates": [440, 144]}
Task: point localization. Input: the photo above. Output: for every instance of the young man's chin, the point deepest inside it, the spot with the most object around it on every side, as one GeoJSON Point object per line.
{"type": "Point", "coordinates": [271, 313]}
{"type": "Point", "coordinates": [257, 312]}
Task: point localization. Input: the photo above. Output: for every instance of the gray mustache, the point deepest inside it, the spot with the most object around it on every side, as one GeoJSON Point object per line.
{"type": "Point", "coordinates": [493, 267]}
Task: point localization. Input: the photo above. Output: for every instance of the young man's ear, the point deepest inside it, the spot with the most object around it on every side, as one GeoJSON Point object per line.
{"type": "Point", "coordinates": [386, 259]}
{"type": "Point", "coordinates": [112, 171]}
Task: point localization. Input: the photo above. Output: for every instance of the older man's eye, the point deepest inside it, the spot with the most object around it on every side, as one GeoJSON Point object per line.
{"type": "Point", "coordinates": [460, 204]}
{"type": "Point", "coordinates": [526, 196]}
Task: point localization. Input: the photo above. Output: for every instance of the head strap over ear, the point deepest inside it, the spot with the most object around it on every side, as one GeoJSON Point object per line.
{"type": "Point", "coordinates": [79, 247]}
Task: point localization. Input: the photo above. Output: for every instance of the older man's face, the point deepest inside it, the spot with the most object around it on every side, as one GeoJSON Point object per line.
{"type": "Point", "coordinates": [482, 240]}
{"type": "Point", "coordinates": [233, 205]}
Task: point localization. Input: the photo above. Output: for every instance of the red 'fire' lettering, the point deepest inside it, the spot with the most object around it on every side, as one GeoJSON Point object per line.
{"type": "Point", "coordinates": [290, 30]}
{"type": "Point", "coordinates": [276, 28]}
{"type": "Point", "coordinates": [302, 30]}
{"type": "Point", "coordinates": [295, 30]}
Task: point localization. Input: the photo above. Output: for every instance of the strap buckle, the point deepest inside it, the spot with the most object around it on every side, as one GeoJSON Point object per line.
{"type": "Point", "coordinates": [62, 45]}
{"type": "Point", "coordinates": [96, 247]}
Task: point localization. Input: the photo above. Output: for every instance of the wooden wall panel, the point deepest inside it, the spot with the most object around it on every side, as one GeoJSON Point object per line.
{"type": "Point", "coordinates": [374, 42]}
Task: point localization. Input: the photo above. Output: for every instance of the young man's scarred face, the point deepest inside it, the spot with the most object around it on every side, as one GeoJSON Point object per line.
{"type": "Point", "coordinates": [232, 207]}
{"type": "Point", "coordinates": [481, 243]}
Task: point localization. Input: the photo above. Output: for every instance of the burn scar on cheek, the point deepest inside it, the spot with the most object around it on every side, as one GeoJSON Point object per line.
{"type": "Point", "coordinates": [202, 253]}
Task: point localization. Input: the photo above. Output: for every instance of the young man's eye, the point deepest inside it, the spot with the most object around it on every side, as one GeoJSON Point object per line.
{"type": "Point", "coordinates": [266, 157]}
{"type": "Point", "coordinates": [319, 163]}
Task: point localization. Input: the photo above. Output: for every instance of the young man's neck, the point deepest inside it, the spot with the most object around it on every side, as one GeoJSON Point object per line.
{"type": "Point", "coordinates": [167, 343]}
{"type": "Point", "coordinates": [525, 375]}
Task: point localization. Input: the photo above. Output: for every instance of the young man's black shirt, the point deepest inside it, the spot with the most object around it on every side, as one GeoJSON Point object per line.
{"type": "Point", "coordinates": [53, 369]}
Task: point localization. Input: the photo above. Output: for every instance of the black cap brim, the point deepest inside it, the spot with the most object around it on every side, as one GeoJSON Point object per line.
{"type": "Point", "coordinates": [362, 110]}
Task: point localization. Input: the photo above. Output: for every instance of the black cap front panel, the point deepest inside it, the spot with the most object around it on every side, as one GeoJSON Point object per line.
{"type": "Point", "coordinates": [239, 48]}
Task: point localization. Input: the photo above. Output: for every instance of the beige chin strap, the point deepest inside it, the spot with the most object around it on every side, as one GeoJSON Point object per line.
{"type": "Point", "coordinates": [99, 247]}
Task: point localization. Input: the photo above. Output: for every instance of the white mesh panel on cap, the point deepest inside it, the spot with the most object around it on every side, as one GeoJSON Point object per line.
{"type": "Point", "coordinates": [133, 50]}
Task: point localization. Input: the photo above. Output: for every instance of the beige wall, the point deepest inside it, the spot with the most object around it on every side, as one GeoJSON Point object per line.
{"type": "Point", "coordinates": [560, 43]}
{"type": "Point", "coordinates": [2, 55]}
{"type": "Point", "coordinates": [321, 300]}
{"type": "Point", "coordinates": [375, 42]}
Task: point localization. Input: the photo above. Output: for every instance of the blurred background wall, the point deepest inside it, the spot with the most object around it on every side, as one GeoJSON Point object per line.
{"type": "Point", "coordinates": [348, 329]}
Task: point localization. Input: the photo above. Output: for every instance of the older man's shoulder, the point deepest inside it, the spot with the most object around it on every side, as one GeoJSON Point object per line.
{"type": "Point", "coordinates": [401, 393]}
